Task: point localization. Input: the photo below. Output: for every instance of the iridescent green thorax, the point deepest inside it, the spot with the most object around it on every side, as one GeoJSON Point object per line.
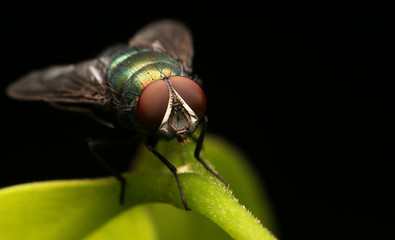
{"type": "Point", "coordinates": [131, 70]}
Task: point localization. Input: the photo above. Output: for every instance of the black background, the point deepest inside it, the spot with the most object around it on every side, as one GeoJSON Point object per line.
{"type": "Point", "coordinates": [301, 89]}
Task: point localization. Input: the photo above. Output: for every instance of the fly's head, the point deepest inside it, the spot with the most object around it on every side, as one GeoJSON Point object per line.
{"type": "Point", "coordinates": [172, 106]}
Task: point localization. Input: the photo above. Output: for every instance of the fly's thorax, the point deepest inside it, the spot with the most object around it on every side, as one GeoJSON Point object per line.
{"type": "Point", "coordinates": [131, 70]}
{"type": "Point", "coordinates": [172, 106]}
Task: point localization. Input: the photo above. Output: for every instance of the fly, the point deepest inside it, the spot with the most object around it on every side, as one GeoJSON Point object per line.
{"type": "Point", "coordinates": [145, 88]}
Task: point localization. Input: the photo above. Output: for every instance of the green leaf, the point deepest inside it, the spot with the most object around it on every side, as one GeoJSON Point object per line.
{"type": "Point", "coordinates": [89, 209]}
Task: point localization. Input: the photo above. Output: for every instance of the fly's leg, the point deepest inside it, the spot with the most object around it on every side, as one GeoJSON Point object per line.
{"type": "Point", "coordinates": [93, 145]}
{"type": "Point", "coordinates": [172, 170]}
{"type": "Point", "coordinates": [198, 148]}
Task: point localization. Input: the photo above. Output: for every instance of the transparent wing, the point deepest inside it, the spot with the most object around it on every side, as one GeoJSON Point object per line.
{"type": "Point", "coordinates": [168, 36]}
{"type": "Point", "coordinates": [80, 83]}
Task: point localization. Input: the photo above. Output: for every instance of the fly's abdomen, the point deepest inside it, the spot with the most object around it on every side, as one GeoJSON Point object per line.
{"type": "Point", "coordinates": [130, 71]}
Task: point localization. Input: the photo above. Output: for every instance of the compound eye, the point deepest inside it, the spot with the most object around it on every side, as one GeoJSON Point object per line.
{"type": "Point", "coordinates": [191, 92]}
{"type": "Point", "coordinates": [152, 104]}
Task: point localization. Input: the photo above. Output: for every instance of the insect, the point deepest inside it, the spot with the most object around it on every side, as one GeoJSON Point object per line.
{"type": "Point", "coordinates": [145, 88]}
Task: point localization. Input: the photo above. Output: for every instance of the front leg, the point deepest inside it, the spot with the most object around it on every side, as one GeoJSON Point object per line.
{"type": "Point", "coordinates": [172, 169]}
{"type": "Point", "coordinates": [198, 148]}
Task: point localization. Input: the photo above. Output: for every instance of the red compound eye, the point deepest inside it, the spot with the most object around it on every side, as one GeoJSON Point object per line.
{"type": "Point", "coordinates": [191, 92]}
{"type": "Point", "coordinates": [152, 104]}
{"type": "Point", "coordinates": [153, 101]}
